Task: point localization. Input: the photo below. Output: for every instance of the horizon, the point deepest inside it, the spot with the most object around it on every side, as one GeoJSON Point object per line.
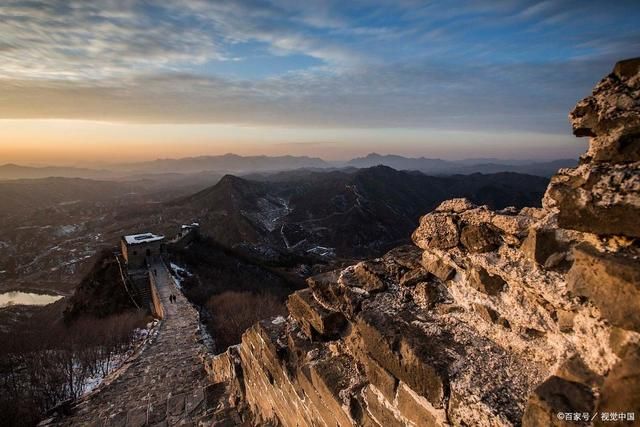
{"type": "Point", "coordinates": [97, 165]}
{"type": "Point", "coordinates": [361, 213]}
{"type": "Point", "coordinates": [126, 82]}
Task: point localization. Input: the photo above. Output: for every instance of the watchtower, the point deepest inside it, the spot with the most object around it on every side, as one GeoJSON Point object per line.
{"type": "Point", "coordinates": [137, 247]}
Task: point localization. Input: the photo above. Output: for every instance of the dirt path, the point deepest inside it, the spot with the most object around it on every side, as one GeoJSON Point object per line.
{"type": "Point", "coordinates": [165, 384]}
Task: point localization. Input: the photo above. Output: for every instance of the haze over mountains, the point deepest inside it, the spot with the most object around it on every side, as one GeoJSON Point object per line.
{"type": "Point", "coordinates": [342, 212]}
{"type": "Point", "coordinates": [13, 171]}
{"type": "Point", "coordinates": [52, 227]}
{"type": "Point", "coordinates": [403, 230]}
{"type": "Point", "coordinates": [466, 166]}
{"type": "Point", "coordinates": [233, 163]}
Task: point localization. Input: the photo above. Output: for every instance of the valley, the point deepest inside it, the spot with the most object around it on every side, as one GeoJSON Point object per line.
{"type": "Point", "coordinates": [52, 228]}
{"type": "Point", "coordinates": [260, 236]}
{"type": "Point", "coordinates": [319, 213]}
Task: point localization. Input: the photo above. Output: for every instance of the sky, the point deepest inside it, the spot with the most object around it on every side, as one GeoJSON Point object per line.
{"type": "Point", "coordinates": [131, 80]}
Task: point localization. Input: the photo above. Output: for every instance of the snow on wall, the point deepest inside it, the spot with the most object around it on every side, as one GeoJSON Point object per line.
{"type": "Point", "coordinates": [134, 239]}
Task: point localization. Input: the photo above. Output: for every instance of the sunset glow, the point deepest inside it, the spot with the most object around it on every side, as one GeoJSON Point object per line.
{"type": "Point", "coordinates": [119, 81]}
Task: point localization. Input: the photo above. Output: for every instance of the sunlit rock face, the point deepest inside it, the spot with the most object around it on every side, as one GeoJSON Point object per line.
{"type": "Point", "coordinates": [491, 319]}
{"type": "Point", "coordinates": [602, 195]}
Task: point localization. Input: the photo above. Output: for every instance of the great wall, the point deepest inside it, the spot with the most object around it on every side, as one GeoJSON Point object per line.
{"type": "Point", "coordinates": [165, 383]}
{"type": "Point", "coordinates": [526, 317]}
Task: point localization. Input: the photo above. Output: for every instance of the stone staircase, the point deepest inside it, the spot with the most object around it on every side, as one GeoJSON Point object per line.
{"type": "Point", "coordinates": [141, 287]}
{"type": "Point", "coordinates": [165, 384]}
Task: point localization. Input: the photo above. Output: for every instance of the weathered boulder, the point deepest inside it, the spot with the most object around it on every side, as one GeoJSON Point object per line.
{"type": "Point", "coordinates": [314, 318]}
{"type": "Point", "coordinates": [516, 225]}
{"type": "Point", "coordinates": [555, 260]}
{"type": "Point", "coordinates": [406, 256]}
{"type": "Point", "coordinates": [611, 115]}
{"type": "Point", "coordinates": [429, 293]}
{"type": "Point", "coordinates": [540, 244]}
{"type": "Point", "coordinates": [437, 266]}
{"type": "Point", "coordinates": [600, 199]}
{"type": "Point", "coordinates": [623, 341]}
{"type": "Point", "coordinates": [621, 389]}
{"type": "Point", "coordinates": [436, 230]}
{"type": "Point", "coordinates": [610, 281]}
{"type": "Point", "coordinates": [574, 369]}
{"type": "Point", "coordinates": [413, 277]}
{"type": "Point", "coordinates": [476, 216]}
{"type": "Point", "coordinates": [481, 237]}
{"type": "Point", "coordinates": [458, 205]}
{"type": "Point", "coordinates": [399, 349]}
{"type": "Point", "coordinates": [368, 276]}
{"type": "Point", "coordinates": [627, 68]}
{"type": "Point", "coordinates": [602, 195]}
{"type": "Point", "coordinates": [487, 313]}
{"type": "Point", "coordinates": [485, 282]}
{"type": "Point", "coordinates": [565, 320]}
{"type": "Point", "coordinates": [337, 291]}
{"type": "Point", "coordinates": [557, 396]}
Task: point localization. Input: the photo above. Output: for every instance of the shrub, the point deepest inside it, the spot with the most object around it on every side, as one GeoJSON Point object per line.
{"type": "Point", "coordinates": [234, 312]}
{"type": "Point", "coordinates": [46, 363]}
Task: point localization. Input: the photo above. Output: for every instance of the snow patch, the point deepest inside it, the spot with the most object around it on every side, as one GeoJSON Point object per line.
{"type": "Point", "coordinates": [278, 320]}
{"type": "Point", "coordinates": [134, 239]}
{"type": "Point", "coordinates": [31, 227]}
{"type": "Point", "coordinates": [65, 230]}
{"type": "Point", "coordinates": [69, 202]}
{"type": "Point", "coordinates": [270, 211]}
{"type": "Point", "coordinates": [190, 226]}
{"type": "Point", "coordinates": [179, 274]}
{"type": "Point", "coordinates": [115, 360]}
{"type": "Point", "coordinates": [76, 260]}
{"type": "Point", "coordinates": [322, 251]}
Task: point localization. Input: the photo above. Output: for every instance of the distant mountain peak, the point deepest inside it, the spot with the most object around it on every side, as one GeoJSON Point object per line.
{"type": "Point", "coordinates": [230, 179]}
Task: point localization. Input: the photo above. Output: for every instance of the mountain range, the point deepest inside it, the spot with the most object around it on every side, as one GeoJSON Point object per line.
{"type": "Point", "coordinates": [12, 171]}
{"type": "Point", "coordinates": [342, 212]}
{"type": "Point", "coordinates": [242, 165]}
{"type": "Point", "coordinates": [467, 166]}
{"type": "Point", "coordinates": [51, 227]}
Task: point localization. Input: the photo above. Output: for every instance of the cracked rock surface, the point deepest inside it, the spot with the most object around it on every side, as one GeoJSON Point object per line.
{"type": "Point", "coordinates": [491, 319]}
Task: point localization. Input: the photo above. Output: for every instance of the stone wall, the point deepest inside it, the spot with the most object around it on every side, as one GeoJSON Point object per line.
{"type": "Point", "coordinates": [155, 303]}
{"type": "Point", "coordinates": [136, 255]}
{"type": "Point", "coordinates": [491, 319]}
{"type": "Point", "coordinates": [186, 235]}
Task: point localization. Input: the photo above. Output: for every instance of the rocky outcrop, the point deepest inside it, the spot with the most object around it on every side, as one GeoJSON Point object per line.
{"type": "Point", "coordinates": [602, 195]}
{"type": "Point", "coordinates": [493, 318]}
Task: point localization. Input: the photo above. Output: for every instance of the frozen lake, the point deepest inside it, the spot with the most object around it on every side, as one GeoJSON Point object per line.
{"type": "Point", "coordinates": [26, 298]}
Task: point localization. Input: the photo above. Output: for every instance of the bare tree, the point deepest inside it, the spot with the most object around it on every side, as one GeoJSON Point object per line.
{"type": "Point", "coordinates": [234, 312]}
{"type": "Point", "coordinates": [47, 365]}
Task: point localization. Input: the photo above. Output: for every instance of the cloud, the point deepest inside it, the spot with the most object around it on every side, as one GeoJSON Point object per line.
{"type": "Point", "coordinates": [85, 40]}
{"type": "Point", "coordinates": [473, 65]}
{"type": "Point", "coordinates": [438, 96]}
